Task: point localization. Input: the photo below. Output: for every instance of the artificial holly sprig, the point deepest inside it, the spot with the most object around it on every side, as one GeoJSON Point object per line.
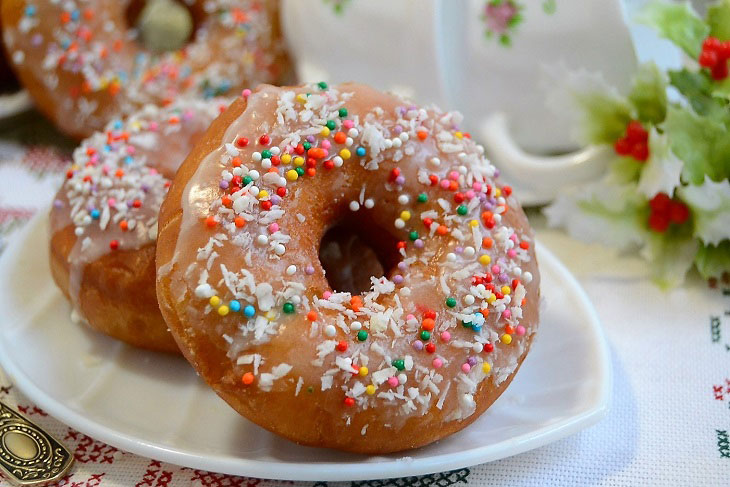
{"type": "Point", "coordinates": [668, 191]}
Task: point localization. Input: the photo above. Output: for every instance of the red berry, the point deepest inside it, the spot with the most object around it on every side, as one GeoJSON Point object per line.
{"type": "Point", "coordinates": [724, 51]}
{"type": "Point", "coordinates": [640, 151]}
{"type": "Point", "coordinates": [659, 222]}
{"type": "Point", "coordinates": [711, 44]}
{"type": "Point", "coordinates": [635, 132]}
{"type": "Point", "coordinates": [660, 203]}
{"type": "Point", "coordinates": [622, 146]}
{"type": "Point", "coordinates": [678, 212]}
{"type": "Point", "coordinates": [708, 59]}
{"type": "Point", "coordinates": [719, 71]}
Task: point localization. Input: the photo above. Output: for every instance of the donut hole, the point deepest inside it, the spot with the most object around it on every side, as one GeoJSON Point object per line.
{"type": "Point", "coordinates": [352, 253]}
{"type": "Point", "coordinates": [163, 25]}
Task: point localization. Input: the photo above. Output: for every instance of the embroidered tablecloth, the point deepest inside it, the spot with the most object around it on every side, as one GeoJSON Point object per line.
{"type": "Point", "coordinates": [669, 422]}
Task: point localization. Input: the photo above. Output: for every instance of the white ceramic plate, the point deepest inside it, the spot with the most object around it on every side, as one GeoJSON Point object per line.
{"type": "Point", "coordinates": [14, 103]}
{"type": "Point", "coordinates": [156, 406]}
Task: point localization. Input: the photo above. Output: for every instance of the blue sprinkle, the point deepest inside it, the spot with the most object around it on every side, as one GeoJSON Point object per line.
{"type": "Point", "coordinates": [30, 10]}
{"type": "Point", "coordinates": [249, 311]}
{"type": "Point", "coordinates": [65, 43]}
{"type": "Point", "coordinates": [95, 214]}
{"type": "Point", "coordinates": [117, 124]}
{"type": "Point", "coordinates": [234, 306]}
{"type": "Point", "coordinates": [360, 151]}
{"type": "Point", "coordinates": [75, 15]}
{"type": "Point", "coordinates": [476, 327]}
{"type": "Point", "coordinates": [128, 160]}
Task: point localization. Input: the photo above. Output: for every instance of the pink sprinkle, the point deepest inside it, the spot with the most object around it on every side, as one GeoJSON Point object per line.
{"type": "Point", "coordinates": [273, 228]}
{"type": "Point", "coordinates": [520, 330]}
{"type": "Point", "coordinates": [469, 194]}
{"type": "Point", "coordinates": [513, 237]}
{"type": "Point", "coordinates": [326, 294]}
{"type": "Point", "coordinates": [130, 149]}
{"type": "Point", "coordinates": [507, 313]}
{"type": "Point", "coordinates": [437, 363]}
{"type": "Point", "coordinates": [477, 186]}
{"type": "Point", "coordinates": [152, 126]}
{"type": "Point", "coordinates": [446, 336]}
{"type": "Point", "coordinates": [348, 124]}
{"type": "Point", "coordinates": [326, 144]}
{"type": "Point", "coordinates": [444, 184]}
{"type": "Point", "coordinates": [153, 171]}
{"type": "Point", "coordinates": [496, 269]}
{"type": "Point", "coordinates": [410, 317]}
{"type": "Point", "coordinates": [393, 381]}
{"type": "Point", "coordinates": [454, 175]}
{"type": "Point", "coordinates": [245, 93]}
{"type": "Point", "coordinates": [511, 253]}
{"type": "Point", "coordinates": [465, 368]}
{"type": "Point", "coordinates": [111, 202]}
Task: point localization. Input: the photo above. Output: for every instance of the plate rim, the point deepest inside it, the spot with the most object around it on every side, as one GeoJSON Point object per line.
{"type": "Point", "coordinates": [329, 471]}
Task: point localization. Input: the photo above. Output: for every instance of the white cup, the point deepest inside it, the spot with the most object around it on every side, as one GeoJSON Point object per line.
{"type": "Point", "coordinates": [438, 51]}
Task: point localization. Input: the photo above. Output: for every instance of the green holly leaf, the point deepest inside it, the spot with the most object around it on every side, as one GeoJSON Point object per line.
{"type": "Point", "coordinates": [701, 143]}
{"type": "Point", "coordinates": [649, 94]}
{"type": "Point", "coordinates": [606, 116]}
{"type": "Point", "coordinates": [713, 260]}
{"type": "Point", "coordinates": [661, 173]}
{"type": "Point", "coordinates": [677, 22]}
{"type": "Point", "coordinates": [718, 18]}
{"type": "Point", "coordinates": [671, 255]}
{"type": "Point", "coordinates": [710, 204]}
{"type": "Point", "coordinates": [698, 89]}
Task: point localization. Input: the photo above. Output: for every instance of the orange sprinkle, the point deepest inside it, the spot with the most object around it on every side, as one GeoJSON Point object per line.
{"type": "Point", "coordinates": [65, 17]}
{"type": "Point", "coordinates": [236, 161]}
{"type": "Point", "coordinates": [422, 134]}
{"type": "Point", "coordinates": [428, 324]}
{"type": "Point", "coordinates": [174, 120]}
{"type": "Point", "coordinates": [211, 222]}
{"type": "Point", "coordinates": [453, 186]}
{"type": "Point", "coordinates": [340, 137]}
{"type": "Point", "coordinates": [316, 152]}
{"type": "Point", "coordinates": [487, 243]}
{"type": "Point", "coordinates": [240, 222]}
{"type": "Point", "coordinates": [247, 379]}
{"type": "Point", "coordinates": [311, 171]}
{"type": "Point", "coordinates": [227, 202]}
{"type": "Point", "coordinates": [312, 316]}
{"type": "Point", "coordinates": [442, 230]}
{"type": "Point", "coordinates": [114, 88]}
{"type": "Point", "coordinates": [123, 225]}
{"type": "Point", "coordinates": [119, 173]}
{"type": "Point", "coordinates": [524, 301]}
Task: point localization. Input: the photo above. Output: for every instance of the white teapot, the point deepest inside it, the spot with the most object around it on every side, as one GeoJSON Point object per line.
{"type": "Point", "coordinates": [484, 58]}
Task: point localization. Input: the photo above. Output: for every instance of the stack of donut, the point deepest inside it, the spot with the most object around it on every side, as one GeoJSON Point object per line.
{"type": "Point", "coordinates": [328, 258]}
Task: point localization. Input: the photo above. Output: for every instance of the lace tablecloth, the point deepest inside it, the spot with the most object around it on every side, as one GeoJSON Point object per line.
{"type": "Point", "coordinates": [669, 422]}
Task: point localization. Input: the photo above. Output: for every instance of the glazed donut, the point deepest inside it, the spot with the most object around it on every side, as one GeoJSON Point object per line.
{"type": "Point", "coordinates": [104, 219]}
{"type": "Point", "coordinates": [84, 65]}
{"type": "Point", "coordinates": [418, 355]}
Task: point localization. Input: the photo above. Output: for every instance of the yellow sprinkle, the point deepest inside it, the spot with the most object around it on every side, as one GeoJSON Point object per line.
{"type": "Point", "coordinates": [345, 154]}
{"type": "Point", "coordinates": [215, 301]}
{"type": "Point", "coordinates": [458, 135]}
{"type": "Point", "coordinates": [473, 223]}
{"type": "Point", "coordinates": [485, 259]}
{"type": "Point", "coordinates": [497, 192]}
{"type": "Point", "coordinates": [506, 290]}
{"type": "Point", "coordinates": [286, 158]}
{"type": "Point", "coordinates": [270, 315]}
{"type": "Point", "coordinates": [301, 98]}
{"type": "Point", "coordinates": [298, 161]}
{"type": "Point", "coordinates": [370, 389]}
{"type": "Point", "coordinates": [363, 371]}
{"type": "Point", "coordinates": [223, 310]}
{"type": "Point", "coordinates": [292, 175]}
{"type": "Point", "coordinates": [491, 299]}
{"type": "Point", "coordinates": [263, 194]}
{"type": "Point", "coordinates": [486, 368]}
{"type": "Point", "coordinates": [506, 339]}
{"type": "Point", "coordinates": [405, 215]}
{"type": "Point", "coordinates": [325, 132]}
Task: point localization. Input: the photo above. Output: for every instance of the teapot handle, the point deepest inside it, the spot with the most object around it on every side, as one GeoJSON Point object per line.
{"type": "Point", "coordinates": [544, 175]}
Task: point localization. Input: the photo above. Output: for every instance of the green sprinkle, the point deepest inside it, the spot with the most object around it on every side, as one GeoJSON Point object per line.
{"type": "Point", "coordinates": [462, 210]}
{"type": "Point", "coordinates": [266, 154]}
{"type": "Point", "coordinates": [322, 85]}
{"type": "Point", "coordinates": [310, 389]}
{"type": "Point", "coordinates": [331, 124]}
{"type": "Point", "coordinates": [425, 336]}
{"type": "Point", "coordinates": [399, 364]}
{"type": "Point", "coordinates": [466, 324]}
{"type": "Point", "coordinates": [247, 180]}
{"type": "Point", "coordinates": [300, 171]}
{"type": "Point", "coordinates": [450, 302]}
{"type": "Point", "coordinates": [307, 146]}
{"type": "Point", "coordinates": [422, 198]}
{"type": "Point", "coordinates": [362, 335]}
{"type": "Point", "coordinates": [288, 308]}
{"type": "Point", "coordinates": [343, 112]}
{"type": "Point", "coordinates": [413, 235]}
